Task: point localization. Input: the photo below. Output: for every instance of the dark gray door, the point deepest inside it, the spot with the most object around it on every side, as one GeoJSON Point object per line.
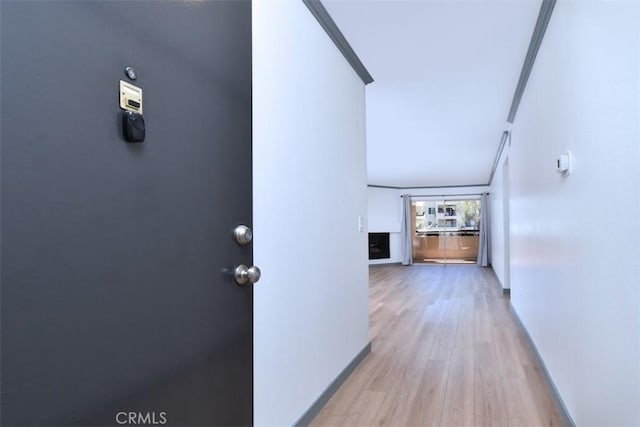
{"type": "Point", "coordinates": [117, 296]}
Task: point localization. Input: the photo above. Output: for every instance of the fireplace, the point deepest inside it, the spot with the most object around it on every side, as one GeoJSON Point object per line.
{"type": "Point", "coordinates": [379, 246]}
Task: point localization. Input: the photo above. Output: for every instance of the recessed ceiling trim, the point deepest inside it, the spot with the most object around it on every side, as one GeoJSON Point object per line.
{"type": "Point", "coordinates": [324, 19]}
{"type": "Point", "coordinates": [503, 141]}
{"type": "Point", "coordinates": [426, 188]}
{"type": "Point", "coordinates": [446, 195]}
{"type": "Point", "coordinates": [384, 186]}
{"type": "Point", "coordinates": [536, 40]}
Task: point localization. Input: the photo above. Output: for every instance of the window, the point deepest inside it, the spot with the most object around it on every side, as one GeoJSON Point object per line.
{"type": "Point", "coordinates": [446, 231]}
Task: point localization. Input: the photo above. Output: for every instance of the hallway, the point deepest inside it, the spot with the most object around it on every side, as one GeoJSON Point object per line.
{"type": "Point", "coordinates": [446, 350]}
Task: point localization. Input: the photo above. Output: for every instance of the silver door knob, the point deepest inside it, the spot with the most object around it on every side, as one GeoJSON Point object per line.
{"type": "Point", "coordinates": [244, 274]}
{"type": "Point", "coordinates": [242, 234]}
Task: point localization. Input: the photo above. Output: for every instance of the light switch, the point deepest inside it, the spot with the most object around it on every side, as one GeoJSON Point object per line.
{"type": "Point", "coordinates": [360, 224]}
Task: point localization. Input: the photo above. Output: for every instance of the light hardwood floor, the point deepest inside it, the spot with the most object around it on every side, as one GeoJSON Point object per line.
{"type": "Point", "coordinates": [446, 351]}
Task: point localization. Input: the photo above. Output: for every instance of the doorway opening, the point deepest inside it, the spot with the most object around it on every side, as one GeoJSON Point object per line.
{"type": "Point", "coordinates": [445, 231]}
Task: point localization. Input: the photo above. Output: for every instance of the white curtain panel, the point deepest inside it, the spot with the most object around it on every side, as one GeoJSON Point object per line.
{"type": "Point", "coordinates": [405, 231]}
{"type": "Point", "coordinates": [484, 257]}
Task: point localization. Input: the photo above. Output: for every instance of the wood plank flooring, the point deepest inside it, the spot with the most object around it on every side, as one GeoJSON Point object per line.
{"type": "Point", "coordinates": [446, 351]}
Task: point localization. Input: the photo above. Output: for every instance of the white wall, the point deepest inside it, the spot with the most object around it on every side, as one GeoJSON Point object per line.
{"type": "Point", "coordinates": [498, 210]}
{"type": "Point", "coordinates": [385, 212]}
{"type": "Point", "coordinates": [311, 305]}
{"type": "Point", "coordinates": [575, 278]}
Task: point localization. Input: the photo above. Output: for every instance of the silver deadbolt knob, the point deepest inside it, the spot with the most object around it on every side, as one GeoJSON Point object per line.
{"type": "Point", "coordinates": [242, 234]}
{"type": "Point", "coordinates": [244, 274]}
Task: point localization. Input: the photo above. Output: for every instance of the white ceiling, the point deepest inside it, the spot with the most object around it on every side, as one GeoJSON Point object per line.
{"type": "Point", "coordinates": [445, 73]}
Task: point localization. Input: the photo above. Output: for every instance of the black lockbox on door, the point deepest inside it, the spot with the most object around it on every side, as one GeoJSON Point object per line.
{"type": "Point", "coordinates": [133, 127]}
